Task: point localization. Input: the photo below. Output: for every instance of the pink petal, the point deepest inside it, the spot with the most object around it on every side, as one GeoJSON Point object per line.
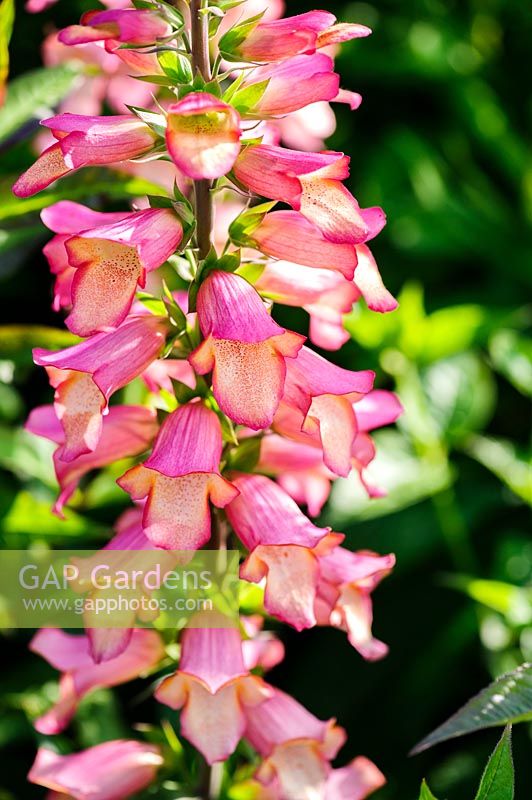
{"type": "Point", "coordinates": [289, 236]}
{"type": "Point", "coordinates": [68, 217]}
{"type": "Point", "coordinates": [203, 136]}
{"type": "Point", "coordinates": [113, 770]}
{"type": "Point", "coordinates": [48, 168]}
{"type": "Point", "coordinates": [342, 32]}
{"type": "Point", "coordinates": [229, 308]}
{"type": "Point", "coordinates": [291, 574]}
{"type": "Point", "coordinates": [284, 38]}
{"type": "Point", "coordinates": [369, 281]}
{"type": "Point", "coordinates": [263, 514]}
{"type": "Point", "coordinates": [376, 409]}
{"type": "Point", "coordinates": [190, 440]}
{"type": "Point", "coordinates": [212, 655]}
{"type": "Point", "coordinates": [356, 781]}
{"type": "Point", "coordinates": [273, 171]}
{"type": "Point", "coordinates": [282, 719]}
{"type": "Point", "coordinates": [295, 83]}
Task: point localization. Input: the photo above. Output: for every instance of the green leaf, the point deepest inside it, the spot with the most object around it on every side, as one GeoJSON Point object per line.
{"type": "Point", "coordinates": [81, 186]}
{"type": "Point", "coordinates": [34, 93]}
{"type": "Point", "coordinates": [514, 602]}
{"type": "Point", "coordinates": [498, 779]}
{"type": "Point", "coordinates": [503, 459]}
{"type": "Point", "coordinates": [505, 701]}
{"type": "Point", "coordinates": [246, 99]}
{"type": "Point", "coordinates": [425, 793]}
{"type": "Point", "coordinates": [33, 518]}
{"type": "Point", "coordinates": [409, 480]}
{"type": "Point", "coordinates": [251, 271]}
{"type": "Point", "coordinates": [230, 41]}
{"type": "Point", "coordinates": [420, 337]}
{"type": "Point", "coordinates": [461, 393]}
{"type": "Point", "coordinates": [176, 66]}
{"type": "Point", "coordinates": [10, 239]}
{"type": "Point", "coordinates": [241, 229]}
{"type": "Point", "coordinates": [17, 341]}
{"type": "Point", "coordinates": [511, 355]}
{"type": "Point", "coordinates": [246, 456]}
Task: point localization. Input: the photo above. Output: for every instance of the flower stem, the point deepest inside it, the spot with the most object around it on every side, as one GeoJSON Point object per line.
{"type": "Point", "coordinates": [202, 63]}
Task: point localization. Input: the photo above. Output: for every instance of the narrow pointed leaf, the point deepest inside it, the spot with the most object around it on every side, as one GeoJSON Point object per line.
{"type": "Point", "coordinates": [425, 793]}
{"type": "Point", "coordinates": [498, 779]}
{"type": "Point", "coordinates": [505, 701]}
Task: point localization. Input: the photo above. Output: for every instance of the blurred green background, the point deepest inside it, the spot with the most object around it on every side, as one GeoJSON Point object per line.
{"type": "Point", "coordinates": [442, 143]}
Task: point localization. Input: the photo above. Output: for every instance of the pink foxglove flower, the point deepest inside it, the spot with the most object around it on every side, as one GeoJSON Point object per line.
{"type": "Point", "coordinates": [323, 293]}
{"type": "Point", "coordinates": [356, 781]}
{"type": "Point", "coordinates": [110, 771]}
{"type": "Point", "coordinates": [80, 675]}
{"type": "Point", "coordinates": [130, 25]}
{"type": "Point", "coordinates": [86, 375]}
{"type": "Point", "coordinates": [296, 746]}
{"type": "Point", "coordinates": [214, 690]}
{"type": "Point", "coordinates": [292, 36]}
{"type": "Point", "coordinates": [312, 184]}
{"type": "Point", "coordinates": [293, 84]}
{"type": "Point", "coordinates": [111, 261]}
{"type": "Point", "coordinates": [126, 432]}
{"type": "Point", "coordinates": [84, 141]}
{"type": "Point", "coordinates": [381, 409]}
{"type": "Point", "coordinates": [284, 546]}
{"type": "Point", "coordinates": [203, 135]}
{"type": "Point", "coordinates": [180, 477]}
{"type": "Point", "coordinates": [244, 348]}
{"type": "Point", "coordinates": [298, 469]}
{"type": "Point", "coordinates": [289, 236]}
{"type": "Point", "coordinates": [65, 219]}
{"type": "Point", "coordinates": [323, 395]}
{"type": "Point", "coordinates": [346, 582]}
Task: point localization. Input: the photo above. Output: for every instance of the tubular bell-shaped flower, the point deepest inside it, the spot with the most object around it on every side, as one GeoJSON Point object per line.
{"type": "Point", "coordinates": [284, 546]}
{"type": "Point", "coordinates": [214, 690]}
{"type": "Point", "coordinates": [126, 432]}
{"type": "Point", "coordinates": [284, 38]}
{"type": "Point", "coordinates": [130, 25]}
{"type": "Point", "coordinates": [244, 348]}
{"type": "Point", "coordinates": [180, 477]}
{"type": "Point", "coordinates": [84, 141]}
{"type": "Point", "coordinates": [312, 184]}
{"type": "Point", "coordinates": [293, 84]}
{"type": "Point", "coordinates": [381, 408]}
{"type": "Point", "coordinates": [111, 261]}
{"type": "Point", "coordinates": [110, 771]}
{"type": "Point", "coordinates": [203, 135]}
{"type": "Point", "coordinates": [344, 596]}
{"type": "Point", "coordinates": [86, 375]}
{"type": "Point", "coordinates": [66, 219]}
{"type": "Point", "coordinates": [296, 747]}
{"type": "Point", "coordinates": [289, 236]}
{"type": "Point", "coordinates": [323, 395]}
{"type": "Point", "coordinates": [323, 293]}
{"type": "Point", "coordinates": [80, 675]}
